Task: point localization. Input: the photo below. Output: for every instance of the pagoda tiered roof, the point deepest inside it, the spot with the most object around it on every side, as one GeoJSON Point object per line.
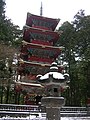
{"type": "Point", "coordinates": [38, 53]}
{"type": "Point", "coordinates": [42, 46]}
{"type": "Point", "coordinates": [41, 36]}
{"type": "Point", "coordinates": [41, 22]}
{"type": "Point", "coordinates": [32, 69]}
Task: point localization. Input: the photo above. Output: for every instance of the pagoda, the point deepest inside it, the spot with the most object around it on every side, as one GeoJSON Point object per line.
{"type": "Point", "coordinates": [38, 51]}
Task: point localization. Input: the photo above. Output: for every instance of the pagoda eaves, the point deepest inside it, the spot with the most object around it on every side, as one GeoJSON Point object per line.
{"type": "Point", "coordinates": [34, 35]}
{"type": "Point", "coordinates": [41, 22]}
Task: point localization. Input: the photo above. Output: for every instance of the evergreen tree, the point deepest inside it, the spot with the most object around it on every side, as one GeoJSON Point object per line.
{"type": "Point", "coordinates": [9, 33]}
{"type": "Point", "coordinates": [83, 45]}
{"type": "Point", "coordinates": [10, 38]}
{"type": "Point", "coordinates": [76, 40]}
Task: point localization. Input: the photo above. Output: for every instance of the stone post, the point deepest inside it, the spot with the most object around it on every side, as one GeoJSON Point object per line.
{"type": "Point", "coordinates": [53, 105]}
{"type": "Point", "coordinates": [88, 110]}
{"type": "Point", "coordinates": [88, 107]}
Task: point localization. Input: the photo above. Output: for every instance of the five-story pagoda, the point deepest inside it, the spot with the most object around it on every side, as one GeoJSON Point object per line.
{"type": "Point", "coordinates": [37, 52]}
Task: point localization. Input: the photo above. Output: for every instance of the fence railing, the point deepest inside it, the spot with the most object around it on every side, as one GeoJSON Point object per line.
{"type": "Point", "coordinates": [26, 110]}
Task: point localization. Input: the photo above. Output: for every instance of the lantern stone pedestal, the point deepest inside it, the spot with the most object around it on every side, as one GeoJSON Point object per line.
{"type": "Point", "coordinates": [53, 105]}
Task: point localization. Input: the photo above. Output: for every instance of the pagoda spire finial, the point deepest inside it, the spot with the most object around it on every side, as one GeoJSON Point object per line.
{"type": "Point", "coordinates": [41, 10]}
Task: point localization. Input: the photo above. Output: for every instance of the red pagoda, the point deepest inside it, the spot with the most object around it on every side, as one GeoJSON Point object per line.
{"type": "Point", "coordinates": [37, 52]}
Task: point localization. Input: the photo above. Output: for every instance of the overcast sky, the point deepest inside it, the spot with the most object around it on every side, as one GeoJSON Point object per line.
{"type": "Point", "coordinates": [17, 10]}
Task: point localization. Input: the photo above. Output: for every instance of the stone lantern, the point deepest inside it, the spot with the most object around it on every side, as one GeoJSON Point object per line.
{"type": "Point", "coordinates": [53, 101]}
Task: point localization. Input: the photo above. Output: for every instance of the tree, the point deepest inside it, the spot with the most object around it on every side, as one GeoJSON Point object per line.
{"type": "Point", "coordinates": [76, 40]}
{"type": "Point", "coordinates": [67, 39]}
{"type": "Point", "coordinates": [10, 39]}
{"type": "Point", "coordinates": [2, 17]}
{"type": "Point", "coordinates": [9, 33]}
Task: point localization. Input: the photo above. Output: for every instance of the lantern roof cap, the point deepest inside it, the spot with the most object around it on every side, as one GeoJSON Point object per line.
{"type": "Point", "coordinates": [54, 67]}
{"type": "Point", "coordinates": [54, 63]}
{"type": "Point", "coordinates": [55, 75]}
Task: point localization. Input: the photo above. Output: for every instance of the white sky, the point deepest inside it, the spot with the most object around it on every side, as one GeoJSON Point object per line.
{"type": "Point", "coordinates": [17, 10]}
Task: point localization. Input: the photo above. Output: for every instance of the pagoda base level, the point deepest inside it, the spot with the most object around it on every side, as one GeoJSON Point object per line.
{"type": "Point", "coordinates": [53, 106]}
